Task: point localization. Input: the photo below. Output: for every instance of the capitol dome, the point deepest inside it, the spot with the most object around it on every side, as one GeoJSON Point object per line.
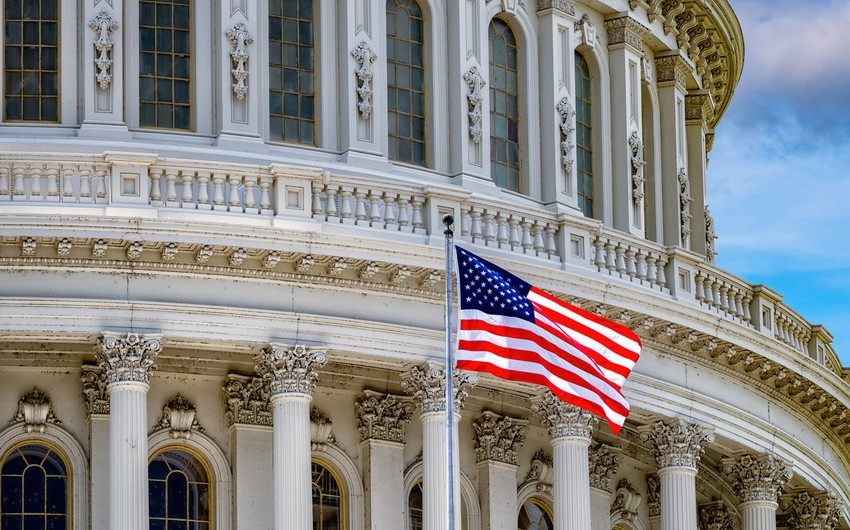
{"type": "Point", "coordinates": [223, 271]}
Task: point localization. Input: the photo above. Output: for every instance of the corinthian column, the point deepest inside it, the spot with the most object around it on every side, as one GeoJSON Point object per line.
{"type": "Point", "coordinates": [497, 439]}
{"type": "Point", "coordinates": [757, 481]}
{"type": "Point", "coordinates": [570, 429]}
{"type": "Point", "coordinates": [677, 447]}
{"type": "Point", "coordinates": [819, 510]}
{"type": "Point", "coordinates": [291, 372]}
{"type": "Point", "coordinates": [128, 361]}
{"type": "Point", "coordinates": [427, 386]}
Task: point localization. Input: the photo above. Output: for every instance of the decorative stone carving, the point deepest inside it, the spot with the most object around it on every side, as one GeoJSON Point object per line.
{"type": "Point", "coordinates": [364, 56]}
{"type": "Point", "coordinates": [320, 431]}
{"type": "Point", "coordinates": [710, 236]}
{"type": "Point", "coordinates": [271, 260]}
{"type": "Point", "coordinates": [498, 437]}
{"type": "Point", "coordinates": [565, 7]}
{"type": "Point", "coordinates": [757, 477]}
{"type": "Point", "coordinates": [398, 276]}
{"type": "Point", "coordinates": [562, 418]}
{"type": "Point", "coordinates": [646, 68]}
{"type": "Point", "coordinates": [637, 163]}
{"type": "Point", "coordinates": [337, 266]}
{"type": "Point", "coordinates": [653, 491]}
{"type": "Point", "coordinates": [542, 471]}
{"type": "Point", "coordinates": [812, 511]}
{"type": "Point", "coordinates": [685, 200]}
{"type": "Point", "coordinates": [203, 255]}
{"type": "Point", "coordinates": [604, 462]}
{"type": "Point", "coordinates": [475, 84]}
{"type": "Point", "coordinates": [129, 357]}
{"type": "Point", "coordinates": [28, 246]}
{"type": "Point", "coordinates": [240, 39]}
{"type": "Point", "coordinates": [103, 25]}
{"type": "Point", "coordinates": [429, 279]}
{"type": "Point", "coordinates": [427, 385]}
{"type": "Point", "coordinates": [98, 248]}
{"type": "Point", "coordinates": [35, 411]}
{"type": "Point", "coordinates": [588, 31]}
{"type": "Point", "coordinates": [304, 263]}
{"type": "Point", "coordinates": [382, 416]}
{"type": "Point", "coordinates": [672, 68]}
{"type": "Point", "coordinates": [247, 401]}
{"type": "Point", "coordinates": [567, 115]}
{"type": "Point", "coordinates": [626, 30]}
{"type": "Point", "coordinates": [64, 246]}
{"type": "Point", "coordinates": [698, 107]}
{"type": "Point", "coordinates": [676, 444]}
{"type": "Point", "coordinates": [290, 369]}
{"type": "Point", "coordinates": [134, 250]}
{"type": "Point", "coordinates": [627, 500]}
{"type": "Point", "coordinates": [178, 415]}
{"type": "Point", "coordinates": [95, 396]}
{"type": "Point", "coordinates": [716, 516]}
{"type": "Point", "coordinates": [368, 270]}
{"type": "Point", "coordinates": [237, 257]}
{"type": "Point", "coordinates": [169, 252]}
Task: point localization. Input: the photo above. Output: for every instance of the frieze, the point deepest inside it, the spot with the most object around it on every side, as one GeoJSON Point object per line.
{"type": "Point", "coordinates": [497, 437]}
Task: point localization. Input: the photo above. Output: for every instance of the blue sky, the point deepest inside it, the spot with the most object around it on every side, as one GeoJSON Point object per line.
{"type": "Point", "coordinates": [779, 173]}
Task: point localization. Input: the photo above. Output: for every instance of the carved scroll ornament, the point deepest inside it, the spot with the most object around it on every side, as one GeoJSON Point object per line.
{"type": "Point", "coordinates": [364, 56]}
{"type": "Point", "coordinates": [475, 97]}
{"type": "Point", "coordinates": [240, 39]}
{"type": "Point", "coordinates": [103, 25]}
{"type": "Point", "coordinates": [566, 122]}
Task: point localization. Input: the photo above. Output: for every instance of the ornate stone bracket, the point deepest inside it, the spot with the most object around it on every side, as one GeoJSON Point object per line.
{"type": "Point", "coordinates": [604, 462]}
{"type": "Point", "coordinates": [128, 357]}
{"type": "Point", "coordinates": [240, 39]}
{"type": "Point", "coordinates": [542, 472]}
{"type": "Point", "coordinates": [812, 511]}
{"type": "Point", "coordinates": [382, 416]}
{"type": "Point", "coordinates": [35, 411]}
{"type": "Point", "coordinates": [637, 163]}
{"type": "Point", "coordinates": [563, 419]}
{"type": "Point", "coordinates": [95, 397]}
{"type": "Point", "coordinates": [320, 431]}
{"type": "Point", "coordinates": [246, 400]}
{"type": "Point", "coordinates": [290, 369]}
{"type": "Point", "coordinates": [757, 477]}
{"type": "Point", "coordinates": [178, 416]}
{"type": "Point", "coordinates": [364, 56]}
{"type": "Point", "coordinates": [498, 437]}
{"type": "Point", "coordinates": [716, 516]}
{"type": "Point", "coordinates": [427, 385]}
{"type": "Point", "coordinates": [566, 122]}
{"type": "Point", "coordinates": [103, 25]}
{"type": "Point", "coordinates": [475, 84]}
{"type": "Point", "coordinates": [587, 30]}
{"type": "Point", "coordinates": [685, 200]}
{"type": "Point", "coordinates": [710, 236]}
{"type": "Point", "coordinates": [627, 501]}
{"type": "Point", "coordinates": [676, 444]}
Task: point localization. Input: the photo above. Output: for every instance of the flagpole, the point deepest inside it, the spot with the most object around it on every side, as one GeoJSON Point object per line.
{"type": "Point", "coordinates": [448, 220]}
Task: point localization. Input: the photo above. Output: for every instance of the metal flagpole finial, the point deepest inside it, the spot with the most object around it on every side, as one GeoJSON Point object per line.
{"type": "Point", "coordinates": [448, 220]}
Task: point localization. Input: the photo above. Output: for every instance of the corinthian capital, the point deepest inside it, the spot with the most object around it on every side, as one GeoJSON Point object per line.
{"type": "Point", "coordinates": [290, 369]}
{"type": "Point", "coordinates": [812, 511]}
{"type": "Point", "coordinates": [95, 396]}
{"type": "Point", "coordinates": [678, 443]}
{"type": "Point", "coordinates": [427, 385]}
{"type": "Point", "coordinates": [498, 437]}
{"type": "Point", "coordinates": [604, 461]}
{"type": "Point", "coordinates": [757, 477]}
{"type": "Point", "coordinates": [562, 418]}
{"type": "Point", "coordinates": [128, 357]}
{"type": "Point", "coordinates": [715, 516]}
{"type": "Point", "coordinates": [382, 416]}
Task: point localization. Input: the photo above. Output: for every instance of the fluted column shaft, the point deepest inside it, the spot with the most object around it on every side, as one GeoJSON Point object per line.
{"type": "Point", "coordinates": [435, 480]}
{"type": "Point", "coordinates": [758, 515]}
{"type": "Point", "coordinates": [571, 488]}
{"type": "Point", "coordinates": [293, 508]}
{"type": "Point", "coordinates": [128, 453]}
{"type": "Point", "coordinates": [678, 498]}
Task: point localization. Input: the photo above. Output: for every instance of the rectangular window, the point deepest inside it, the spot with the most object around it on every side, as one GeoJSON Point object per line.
{"type": "Point", "coordinates": [31, 60]}
{"type": "Point", "coordinates": [165, 64]}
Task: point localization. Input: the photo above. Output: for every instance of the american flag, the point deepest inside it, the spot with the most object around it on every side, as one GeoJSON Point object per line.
{"type": "Point", "coordinates": [515, 331]}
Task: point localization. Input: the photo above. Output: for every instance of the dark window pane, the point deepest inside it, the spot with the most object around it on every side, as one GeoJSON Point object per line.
{"type": "Point", "coordinates": [34, 488]}
{"type": "Point", "coordinates": [182, 117]}
{"type": "Point", "coordinates": [163, 91]}
{"type": "Point", "coordinates": [12, 8]}
{"type": "Point", "coordinates": [406, 80]}
{"type": "Point", "coordinates": [14, 32]}
{"type": "Point", "coordinates": [12, 57]}
{"type": "Point", "coordinates": [31, 109]}
{"type": "Point", "coordinates": [12, 494]}
{"type": "Point", "coordinates": [164, 115]}
{"type": "Point", "coordinates": [156, 496]}
{"type": "Point", "coordinates": [31, 33]}
{"type": "Point", "coordinates": [504, 111]}
{"type": "Point", "coordinates": [57, 522]}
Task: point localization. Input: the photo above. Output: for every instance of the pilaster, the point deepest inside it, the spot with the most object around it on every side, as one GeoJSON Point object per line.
{"type": "Point", "coordinates": [496, 441]}
{"type": "Point", "coordinates": [102, 68]}
{"type": "Point", "coordinates": [699, 108]}
{"type": "Point", "coordinates": [604, 461]}
{"type": "Point", "coordinates": [96, 402]}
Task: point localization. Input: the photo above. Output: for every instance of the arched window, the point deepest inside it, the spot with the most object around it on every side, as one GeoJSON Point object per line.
{"type": "Point", "coordinates": [31, 64]}
{"type": "Point", "coordinates": [180, 495]}
{"type": "Point", "coordinates": [165, 64]}
{"type": "Point", "coordinates": [584, 135]}
{"type": "Point", "coordinates": [505, 149]}
{"type": "Point", "coordinates": [292, 80]}
{"type": "Point", "coordinates": [327, 499]}
{"type": "Point", "coordinates": [34, 488]}
{"type": "Point", "coordinates": [414, 507]}
{"type": "Point", "coordinates": [534, 515]}
{"type": "Point", "coordinates": [406, 81]}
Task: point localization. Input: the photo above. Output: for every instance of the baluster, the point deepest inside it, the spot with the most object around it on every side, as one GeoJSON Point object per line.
{"type": "Point", "coordinates": [18, 172]}
{"type": "Point", "coordinates": [620, 259]}
{"type": "Point", "coordinates": [265, 193]}
{"type": "Point", "coordinates": [465, 221]}
{"type": "Point", "coordinates": [417, 222]}
{"type": "Point", "coordinates": [739, 306]}
{"type": "Point", "coordinates": [218, 189]}
{"type": "Point", "coordinates": [170, 187]}
{"type": "Point", "coordinates": [100, 183]}
{"type": "Point", "coordinates": [631, 270]}
{"type": "Point", "coordinates": [203, 188]}
{"type": "Point", "coordinates": [724, 297]}
{"type": "Point", "coordinates": [715, 293]}
{"type": "Point", "coordinates": [539, 245]}
{"type": "Point", "coordinates": [317, 186]}
{"type": "Point", "coordinates": [640, 265]}
{"type": "Point", "coordinates": [68, 181]}
{"type": "Point", "coordinates": [403, 221]}
{"type": "Point", "coordinates": [514, 237]}
{"type": "Point", "coordinates": [35, 181]}
{"type": "Point", "coordinates": [155, 191]}
{"type": "Point", "coordinates": [53, 181]}
{"type": "Point", "coordinates": [374, 208]}
{"type": "Point", "coordinates": [527, 241]}
{"type": "Point", "coordinates": [5, 169]}
{"type": "Point", "coordinates": [360, 207]}
{"type": "Point", "coordinates": [250, 200]}
{"type": "Point", "coordinates": [659, 269]}
{"type": "Point", "coordinates": [389, 212]}
{"type": "Point", "coordinates": [551, 245]}
{"type": "Point", "coordinates": [345, 204]}
{"type": "Point", "coordinates": [475, 232]}
{"type": "Point", "coordinates": [748, 298]}
{"type": "Point", "coordinates": [699, 282]}
{"type": "Point", "coordinates": [330, 203]}
{"type": "Point", "coordinates": [610, 256]}
{"type": "Point", "coordinates": [599, 254]}
{"type": "Point", "coordinates": [188, 198]}
{"type": "Point", "coordinates": [502, 230]}
{"type": "Point", "coordinates": [652, 268]}
{"type": "Point", "coordinates": [489, 227]}
{"type": "Point", "coordinates": [234, 202]}
{"type": "Point", "coordinates": [85, 182]}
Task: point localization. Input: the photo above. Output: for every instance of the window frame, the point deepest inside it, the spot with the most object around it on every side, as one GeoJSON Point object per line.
{"type": "Point", "coordinates": [580, 174]}
{"type": "Point", "coordinates": [69, 487]}
{"type": "Point", "coordinates": [543, 506]}
{"type": "Point", "coordinates": [213, 494]}
{"type": "Point", "coordinates": [341, 486]}
{"type": "Point", "coordinates": [522, 185]}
